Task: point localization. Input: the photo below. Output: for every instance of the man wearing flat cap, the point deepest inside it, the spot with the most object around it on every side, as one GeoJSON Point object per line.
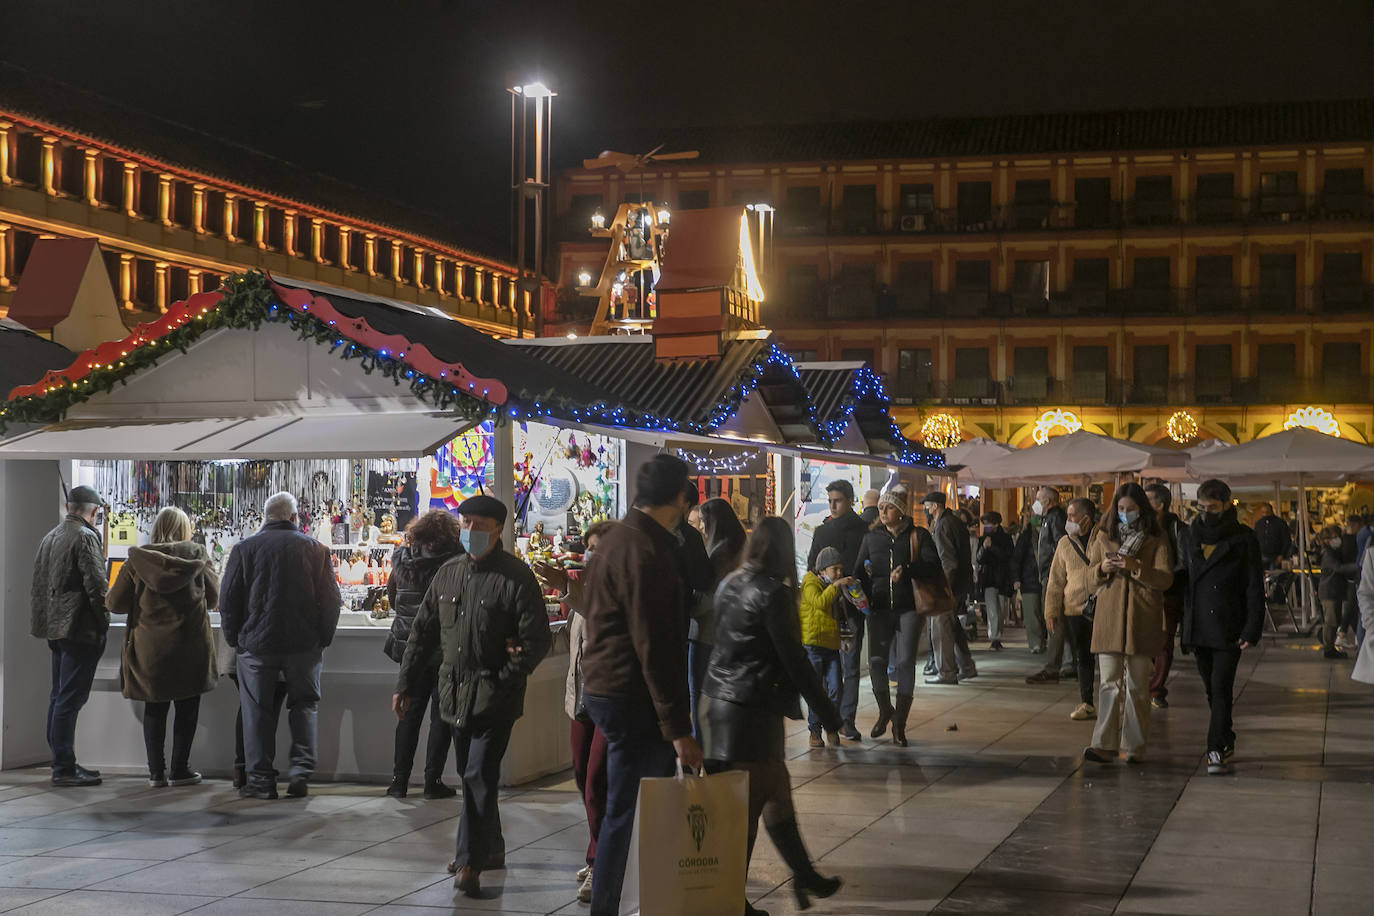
{"type": "Point", "coordinates": [68, 610]}
{"type": "Point", "coordinates": [483, 619]}
{"type": "Point", "coordinates": [956, 557]}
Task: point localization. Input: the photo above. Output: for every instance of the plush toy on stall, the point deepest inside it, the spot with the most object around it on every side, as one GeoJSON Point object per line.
{"type": "Point", "coordinates": [586, 459]}
{"type": "Point", "coordinates": [573, 451]}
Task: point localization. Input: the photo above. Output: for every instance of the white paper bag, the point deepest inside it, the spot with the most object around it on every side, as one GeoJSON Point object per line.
{"type": "Point", "coordinates": [687, 854]}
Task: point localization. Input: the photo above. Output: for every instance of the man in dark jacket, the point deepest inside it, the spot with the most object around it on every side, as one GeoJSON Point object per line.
{"type": "Point", "coordinates": [68, 610]}
{"type": "Point", "coordinates": [868, 510]}
{"type": "Point", "coordinates": [844, 530]}
{"type": "Point", "coordinates": [956, 557]}
{"type": "Point", "coordinates": [1176, 533]}
{"type": "Point", "coordinates": [698, 580]}
{"type": "Point", "coordinates": [1026, 579]}
{"type": "Point", "coordinates": [1223, 609]}
{"type": "Point", "coordinates": [279, 607]}
{"type": "Point", "coordinates": [1275, 537]}
{"type": "Point", "coordinates": [1052, 520]}
{"type": "Point", "coordinates": [484, 619]}
{"type": "Point", "coordinates": [634, 662]}
{"type": "Point", "coordinates": [995, 549]}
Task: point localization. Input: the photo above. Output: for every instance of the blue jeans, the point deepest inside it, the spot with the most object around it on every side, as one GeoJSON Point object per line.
{"type": "Point", "coordinates": [635, 750]}
{"type": "Point", "coordinates": [478, 753]}
{"type": "Point", "coordinates": [698, 656]}
{"type": "Point", "coordinates": [852, 662]}
{"type": "Point", "coordinates": [73, 671]}
{"type": "Point", "coordinates": [258, 676]}
{"type": "Point", "coordinates": [827, 665]}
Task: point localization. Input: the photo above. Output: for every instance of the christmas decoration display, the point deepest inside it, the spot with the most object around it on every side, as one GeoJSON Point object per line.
{"type": "Point", "coordinates": [1182, 427]}
{"type": "Point", "coordinates": [1056, 422]}
{"type": "Point", "coordinates": [941, 430]}
{"type": "Point", "coordinates": [1323, 421]}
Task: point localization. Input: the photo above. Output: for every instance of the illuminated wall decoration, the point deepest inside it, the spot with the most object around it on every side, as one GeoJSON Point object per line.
{"type": "Point", "coordinates": [1055, 422]}
{"type": "Point", "coordinates": [1182, 427]}
{"type": "Point", "coordinates": [462, 468]}
{"type": "Point", "coordinates": [941, 430]}
{"type": "Point", "coordinates": [1323, 421]}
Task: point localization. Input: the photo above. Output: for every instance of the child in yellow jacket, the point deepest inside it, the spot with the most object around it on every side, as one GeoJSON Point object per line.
{"type": "Point", "coordinates": [820, 630]}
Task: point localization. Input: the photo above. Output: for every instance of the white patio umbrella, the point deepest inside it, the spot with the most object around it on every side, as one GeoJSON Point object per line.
{"type": "Point", "coordinates": [972, 458]}
{"type": "Point", "coordinates": [1083, 456]}
{"type": "Point", "coordinates": [1295, 457]}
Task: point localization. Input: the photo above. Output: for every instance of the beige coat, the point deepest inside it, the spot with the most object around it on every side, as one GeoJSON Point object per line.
{"type": "Point", "coordinates": [1066, 590]}
{"type": "Point", "coordinates": [1130, 606]}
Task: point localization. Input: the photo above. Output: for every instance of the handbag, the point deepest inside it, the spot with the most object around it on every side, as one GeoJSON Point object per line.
{"type": "Point", "coordinates": [933, 596]}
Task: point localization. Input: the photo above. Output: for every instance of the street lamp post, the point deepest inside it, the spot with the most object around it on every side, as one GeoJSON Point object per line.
{"type": "Point", "coordinates": [531, 116]}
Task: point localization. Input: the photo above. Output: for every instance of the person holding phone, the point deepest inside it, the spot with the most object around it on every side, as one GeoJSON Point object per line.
{"type": "Point", "coordinates": [1223, 609]}
{"type": "Point", "coordinates": [1129, 569]}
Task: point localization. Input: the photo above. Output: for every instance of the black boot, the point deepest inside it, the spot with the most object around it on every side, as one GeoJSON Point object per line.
{"type": "Point", "coordinates": [240, 776]}
{"type": "Point", "coordinates": [806, 882]}
{"type": "Point", "coordinates": [435, 788]}
{"type": "Point", "coordinates": [899, 716]}
{"type": "Point", "coordinates": [880, 693]}
{"type": "Point", "coordinates": [400, 785]}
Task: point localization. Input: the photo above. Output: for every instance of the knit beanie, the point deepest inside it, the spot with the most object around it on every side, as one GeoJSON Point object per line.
{"type": "Point", "coordinates": [897, 498]}
{"type": "Point", "coordinates": [827, 558]}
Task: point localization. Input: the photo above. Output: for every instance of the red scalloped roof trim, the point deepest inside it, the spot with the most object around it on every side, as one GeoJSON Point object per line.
{"type": "Point", "coordinates": [357, 330]}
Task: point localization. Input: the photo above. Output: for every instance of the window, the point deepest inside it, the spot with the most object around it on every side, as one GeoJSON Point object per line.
{"type": "Point", "coordinates": [145, 283]}
{"type": "Point", "coordinates": [1279, 197]}
{"type": "Point", "coordinates": [1150, 284]}
{"type": "Point", "coordinates": [1030, 286]}
{"type": "Point", "coordinates": [1091, 278]}
{"type": "Point", "coordinates": [974, 205]}
{"type": "Point", "coordinates": [1342, 280]}
{"type": "Point", "coordinates": [859, 208]}
{"type": "Point", "coordinates": [276, 230]}
{"type": "Point", "coordinates": [917, 198]}
{"type": "Point", "coordinates": [1032, 204]}
{"type": "Point", "coordinates": [971, 287]}
{"type": "Point", "coordinates": [28, 158]}
{"type": "Point", "coordinates": [71, 170]}
{"type": "Point", "coordinates": [178, 284]}
{"type": "Point", "coordinates": [147, 194]}
{"type": "Point", "coordinates": [1343, 192]}
{"type": "Point", "coordinates": [330, 242]}
{"type": "Point", "coordinates": [744, 196]}
{"type": "Point", "coordinates": [111, 181]}
{"type": "Point", "coordinates": [913, 375]}
{"type": "Point", "coordinates": [801, 210]}
{"type": "Point", "coordinates": [1090, 373]}
{"type": "Point", "coordinates": [694, 199]}
{"type": "Point", "coordinates": [1216, 197]}
{"type": "Point", "coordinates": [1343, 375]}
{"type": "Point", "coordinates": [913, 286]}
{"type": "Point", "coordinates": [1030, 380]}
{"type": "Point", "coordinates": [1153, 202]}
{"type": "Point", "coordinates": [1150, 373]}
{"type": "Point", "coordinates": [971, 376]}
{"type": "Point", "coordinates": [357, 252]}
{"type": "Point", "coordinates": [1276, 372]}
{"type": "Point", "coordinates": [1278, 282]}
{"type": "Point", "coordinates": [803, 356]}
{"type": "Point", "coordinates": [857, 355]}
{"type": "Point", "coordinates": [577, 219]}
{"type": "Point", "coordinates": [1215, 290]}
{"type": "Point", "coordinates": [854, 295]}
{"type": "Point", "coordinates": [803, 289]}
{"type": "Point", "coordinates": [1092, 202]}
{"type": "Point", "coordinates": [183, 203]}
{"type": "Point", "coordinates": [1212, 364]}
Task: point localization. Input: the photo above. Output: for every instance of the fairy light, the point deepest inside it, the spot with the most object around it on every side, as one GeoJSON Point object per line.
{"type": "Point", "coordinates": [1182, 427]}
{"type": "Point", "coordinates": [941, 430]}
{"type": "Point", "coordinates": [1055, 419]}
{"type": "Point", "coordinates": [1323, 421]}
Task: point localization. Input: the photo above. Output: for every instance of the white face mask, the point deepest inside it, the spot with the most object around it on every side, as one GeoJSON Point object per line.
{"type": "Point", "coordinates": [1038, 507]}
{"type": "Point", "coordinates": [1072, 528]}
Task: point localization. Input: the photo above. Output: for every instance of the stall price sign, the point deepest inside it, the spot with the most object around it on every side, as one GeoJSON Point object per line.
{"type": "Point", "coordinates": [123, 530]}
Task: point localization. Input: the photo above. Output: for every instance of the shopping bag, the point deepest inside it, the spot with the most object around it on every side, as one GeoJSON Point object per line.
{"type": "Point", "coordinates": [687, 853]}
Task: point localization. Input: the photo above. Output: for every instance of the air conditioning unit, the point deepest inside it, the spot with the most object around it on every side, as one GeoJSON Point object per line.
{"type": "Point", "coordinates": [914, 222]}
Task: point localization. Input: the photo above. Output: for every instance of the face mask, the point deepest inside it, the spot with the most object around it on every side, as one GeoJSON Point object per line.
{"type": "Point", "coordinates": [587, 555]}
{"type": "Point", "coordinates": [1072, 528]}
{"type": "Point", "coordinates": [989, 529]}
{"type": "Point", "coordinates": [1128, 518]}
{"type": "Point", "coordinates": [826, 579]}
{"type": "Point", "coordinates": [1211, 518]}
{"type": "Point", "coordinates": [474, 542]}
{"type": "Point", "coordinates": [1335, 542]}
{"type": "Point", "coordinates": [1038, 508]}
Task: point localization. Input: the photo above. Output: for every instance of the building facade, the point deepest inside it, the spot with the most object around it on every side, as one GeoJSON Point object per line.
{"type": "Point", "coordinates": [1013, 277]}
{"type": "Point", "coordinates": [174, 210]}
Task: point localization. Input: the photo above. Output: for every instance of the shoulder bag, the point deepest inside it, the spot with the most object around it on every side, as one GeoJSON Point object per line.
{"type": "Point", "coordinates": [1090, 604]}
{"type": "Point", "coordinates": [933, 596]}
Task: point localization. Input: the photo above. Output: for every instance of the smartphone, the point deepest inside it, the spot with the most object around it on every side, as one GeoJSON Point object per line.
{"type": "Point", "coordinates": [1113, 556]}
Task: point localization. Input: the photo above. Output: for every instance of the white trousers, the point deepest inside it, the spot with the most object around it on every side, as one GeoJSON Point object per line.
{"type": "Point", "coordinates": [993, 599]}
{"type": "Point", "coordinates": [1123, 702]}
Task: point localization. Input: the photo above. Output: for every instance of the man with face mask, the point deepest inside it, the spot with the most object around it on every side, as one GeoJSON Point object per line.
{"type": "Point", "coordinates": [484, 618]}
{"type": "Point", "coordinates": [1052, 520]}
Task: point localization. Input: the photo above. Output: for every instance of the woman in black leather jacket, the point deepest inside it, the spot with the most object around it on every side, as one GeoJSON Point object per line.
{"type": "Point", "coordinates": [887, 571]}
{"type": "Point", "coordinates": [432, 540]}
{"type": "Point", "coordinates": [725, 538]}
{"type": "Point", "coordinates": [757, 675]}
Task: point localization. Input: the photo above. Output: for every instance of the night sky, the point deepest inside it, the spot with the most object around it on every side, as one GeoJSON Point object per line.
{"type": "Point", "coordinates": [408, 98]}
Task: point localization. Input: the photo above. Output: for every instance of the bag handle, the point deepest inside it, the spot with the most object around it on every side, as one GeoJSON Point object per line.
{"type": "Point", "coordinates": [683, 775]}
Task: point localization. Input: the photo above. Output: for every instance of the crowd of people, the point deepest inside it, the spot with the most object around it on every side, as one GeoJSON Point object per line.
{"type": "Point", "coordinates": [690, 639]}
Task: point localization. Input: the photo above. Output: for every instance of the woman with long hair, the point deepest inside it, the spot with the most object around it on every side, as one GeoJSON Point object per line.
{"type": "Point", "coordinates": [725, 538]}
{"type": "Point", "coordinates": [1128, 571]}
{"type": "Point", "coordinates": [757, 675]}
{"type": "Point", "coordinates": [432, 540]}
{"type": "Point", "coordinates": [167, 589]}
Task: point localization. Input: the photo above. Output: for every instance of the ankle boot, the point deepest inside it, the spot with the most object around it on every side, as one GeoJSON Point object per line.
{"type": "Point", "coordinates": [880, 694]}
{"type": "Point", "coordinates": [400, 785]}
{"type": "Point", "coordinates": [806, 882]}
{"type": "Point", "coordinates": [899, 716]}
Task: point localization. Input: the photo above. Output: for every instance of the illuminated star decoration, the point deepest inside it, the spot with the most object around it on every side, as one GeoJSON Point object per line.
{"type": "Point", "coordinates": [1323, 421]}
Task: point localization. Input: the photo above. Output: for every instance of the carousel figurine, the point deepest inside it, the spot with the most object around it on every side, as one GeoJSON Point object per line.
{"type": "Point", "coordinates": [539, 541]}
{"type": "Point", "coordinates": [558, 539]}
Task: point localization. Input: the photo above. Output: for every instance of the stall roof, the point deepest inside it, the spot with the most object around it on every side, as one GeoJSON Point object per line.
{"type": "Point", "coordinates": [24, 356]}
{"type": "Point", "coordinates": [842, 392]}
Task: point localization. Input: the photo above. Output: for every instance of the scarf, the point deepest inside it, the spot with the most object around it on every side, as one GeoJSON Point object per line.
{"type": "Point", "coordinates": [1225, 528]}
{"type": "Point", "coordinates": [1131, 537]}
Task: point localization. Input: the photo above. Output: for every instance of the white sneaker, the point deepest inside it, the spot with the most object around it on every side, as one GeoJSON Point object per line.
{"type": "Point", "coordinates": [584, 893]}
{"type": "Point", "coordinates": [1084, 711]}
{"type": "Point", "coordinates": [583, 873]}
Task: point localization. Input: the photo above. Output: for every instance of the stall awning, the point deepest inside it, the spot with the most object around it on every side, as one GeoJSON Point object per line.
{"type": "Point", "coordinates": [388, 435]}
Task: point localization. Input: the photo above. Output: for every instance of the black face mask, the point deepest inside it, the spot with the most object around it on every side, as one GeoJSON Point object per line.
{"type": "Point", "coordinates": [1211, 518]}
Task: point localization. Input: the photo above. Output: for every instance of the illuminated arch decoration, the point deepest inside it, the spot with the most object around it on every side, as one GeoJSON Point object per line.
{"type": "Point", "coordinates": [1323, 421]}
{"type": "Point", "coordinates": [1056, 422]}
{"type": "Point", "coordinates": [941, 430]}
{"type": "Point", "coordinates": [1182, 427]}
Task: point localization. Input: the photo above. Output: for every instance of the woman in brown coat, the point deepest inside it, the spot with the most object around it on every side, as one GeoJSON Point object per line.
{"type": "Point", "coordinates": [167, 590]}
{"type": "Point", "coordinates": [1128, 569]}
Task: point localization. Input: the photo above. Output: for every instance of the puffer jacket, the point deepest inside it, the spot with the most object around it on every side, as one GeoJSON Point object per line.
{"type": "Point", "coordinates": [167, 591]}
{"type": "Point", "coordinates": [1130, 606]}
{"type": "Point", "coordinates": [279, 595]}
{"type": "Point", "coordinates": [819, 627]}
{"type": "Point", "coordinates": [1067, 589]}
{"type": "Point", "coordinates": [877, 555]}
{"type": "Point", "coordinates": [69, 584]}
{"type": "Point", "coordinates": [758, 661]}
{"type": "Point", "coordinates": [411, 572]}
{"type": "Point", "coordinates": [473, 611]}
